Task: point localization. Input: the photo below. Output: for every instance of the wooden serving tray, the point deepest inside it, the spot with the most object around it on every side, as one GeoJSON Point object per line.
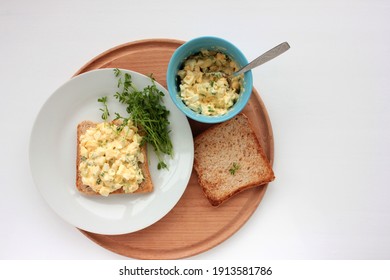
{"type": "Point", "coordinates": [193, 225]}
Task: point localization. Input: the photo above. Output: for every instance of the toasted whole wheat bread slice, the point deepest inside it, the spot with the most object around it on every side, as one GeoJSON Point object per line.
{"type": "Point", "coordinates": [226, 148]}
{"type": "Point", "coordinates": [145, 187]}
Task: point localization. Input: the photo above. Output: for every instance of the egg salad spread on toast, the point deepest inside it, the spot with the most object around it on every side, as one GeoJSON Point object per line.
{"type": "Point", "coordinates": [110, 158]}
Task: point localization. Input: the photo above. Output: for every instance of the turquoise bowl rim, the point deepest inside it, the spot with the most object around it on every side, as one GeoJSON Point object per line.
{"type": "Point", "coordinates": [194, 46]}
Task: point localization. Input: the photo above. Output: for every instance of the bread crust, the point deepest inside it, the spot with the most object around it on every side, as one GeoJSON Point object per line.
{"type": "Point", "coordinates": [145, 187]}
{"type": "Point", "coordinates": [233, 141]}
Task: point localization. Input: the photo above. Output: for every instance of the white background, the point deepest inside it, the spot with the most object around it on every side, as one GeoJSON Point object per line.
{"type": "Point", "coordinates": [328, 99]}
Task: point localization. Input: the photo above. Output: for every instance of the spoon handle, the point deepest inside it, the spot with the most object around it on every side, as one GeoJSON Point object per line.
{"type": "Point", "coordinates": [267, 56]}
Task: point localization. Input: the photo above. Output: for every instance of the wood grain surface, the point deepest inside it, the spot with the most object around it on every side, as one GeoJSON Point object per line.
{"type": "Point", "coordinates": [193, 225]}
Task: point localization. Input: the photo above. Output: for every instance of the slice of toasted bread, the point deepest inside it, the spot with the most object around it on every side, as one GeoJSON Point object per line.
{"type": "Point", "coordinates": [145, 187]}
{"type": "Point", "coordinates": [229, 159]}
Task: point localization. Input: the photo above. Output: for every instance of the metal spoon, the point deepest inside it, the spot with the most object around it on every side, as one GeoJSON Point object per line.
{"type": "Point", "coordinates": [267, 56]}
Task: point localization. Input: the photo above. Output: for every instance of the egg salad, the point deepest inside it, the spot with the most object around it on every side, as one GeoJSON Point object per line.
{"type": "Point", "coordinates": [204, 87]}
{"type": "Point", "coordinates": [110, 155]}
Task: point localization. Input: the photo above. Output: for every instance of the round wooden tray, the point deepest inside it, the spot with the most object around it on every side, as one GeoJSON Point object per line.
{"type": "Point", "coordinates": [193, 225]}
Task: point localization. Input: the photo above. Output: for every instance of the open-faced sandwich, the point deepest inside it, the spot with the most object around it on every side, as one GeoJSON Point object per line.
{"type": "Point", "coordinates": [111, 159]}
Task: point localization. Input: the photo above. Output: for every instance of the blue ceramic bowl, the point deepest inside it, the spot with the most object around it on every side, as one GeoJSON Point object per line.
{"type": "Point", "coordinates": [194, 46]}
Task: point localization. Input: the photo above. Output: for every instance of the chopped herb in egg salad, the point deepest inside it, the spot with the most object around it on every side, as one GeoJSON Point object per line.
{"type": "Point", "coordinates": [110, 156]}
{"type": "Point", "coordinates": [204, 87]}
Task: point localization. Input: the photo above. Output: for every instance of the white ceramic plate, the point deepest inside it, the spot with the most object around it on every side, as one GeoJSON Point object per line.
{"type": "Point", "coordinates": [53, 158]}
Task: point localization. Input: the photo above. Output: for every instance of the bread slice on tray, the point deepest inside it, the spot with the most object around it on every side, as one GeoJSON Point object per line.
{"type": "Point", "coordinates": [229, 159]}
{"type": "Point", "coordinates": [145, 186]}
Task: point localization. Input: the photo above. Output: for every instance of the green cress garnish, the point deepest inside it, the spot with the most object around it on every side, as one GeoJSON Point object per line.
{"type": "Point", "coordinates": [234, 168]}
{"type": "Point", "coordinates": [146, 111]}
{"type": "Point", "coordinates": [105, 114]}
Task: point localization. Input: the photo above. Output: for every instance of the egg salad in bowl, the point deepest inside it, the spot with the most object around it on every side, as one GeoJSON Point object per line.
{"type": "Point", "coordinates": [205, 85]}
{"type": "Point", "coordinates": [200, 81]}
